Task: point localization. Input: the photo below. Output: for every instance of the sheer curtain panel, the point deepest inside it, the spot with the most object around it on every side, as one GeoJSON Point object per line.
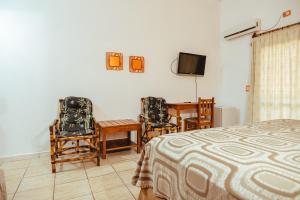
{"type": "Point", "coordinates": [276, 75]}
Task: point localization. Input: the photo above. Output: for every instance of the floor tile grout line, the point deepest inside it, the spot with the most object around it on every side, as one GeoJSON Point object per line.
{"type": "Point", "coordinates": [122, 179]}
{"type": "Point", "coordinates": [23, 176]}
{"type": "Point", "coordinates": [124, 184]}
{"type": "Point", "coordinates": [89, 180]}
{"type": "Point", "coordinates": [131, 183]}
{"type": "Point", "coordinates": [21, 181]}
{"type": "Point", "coordinates": [42, 174]}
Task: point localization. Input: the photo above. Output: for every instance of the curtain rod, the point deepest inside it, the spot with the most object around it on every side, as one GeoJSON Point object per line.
{"type": "Point", "coordinates": [277, 29]}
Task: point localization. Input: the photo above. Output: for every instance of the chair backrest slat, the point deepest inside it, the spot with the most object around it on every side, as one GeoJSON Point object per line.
{"type": "Point", "coordinates": [206, 109]}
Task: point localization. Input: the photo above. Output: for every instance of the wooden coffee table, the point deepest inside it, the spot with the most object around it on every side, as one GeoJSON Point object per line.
{"type": "Point", "coordinates": [114, 126]}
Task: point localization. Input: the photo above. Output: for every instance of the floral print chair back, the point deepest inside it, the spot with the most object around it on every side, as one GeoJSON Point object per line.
{"type": "Point", "coordinates": [155, 118]}
{"type": "Point", "coordinates": [74, 132]}
{"type": "Point", "coordinates": [76, 116]}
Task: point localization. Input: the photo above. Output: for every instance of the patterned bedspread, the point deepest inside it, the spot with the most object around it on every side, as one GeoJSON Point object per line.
{"type": "Point", "coordinates": [258, 161]}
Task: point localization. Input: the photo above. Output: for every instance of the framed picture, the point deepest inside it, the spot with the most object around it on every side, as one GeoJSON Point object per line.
{"type": "Point", "coordinates": [136, 64]}
{"type": "Point", "coordinates": [114, 61]}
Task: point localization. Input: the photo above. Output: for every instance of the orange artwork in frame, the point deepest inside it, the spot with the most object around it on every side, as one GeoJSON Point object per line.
{"type": "Point", "coordinates": [114, 61]}
{"type": "Point", "coordinates": [136, 64]}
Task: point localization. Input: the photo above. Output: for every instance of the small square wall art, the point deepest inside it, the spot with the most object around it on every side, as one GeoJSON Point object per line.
{"type": "Point", "coordinates": [114, 61]}
{"type": "Point", "coordinates": [136, 64]}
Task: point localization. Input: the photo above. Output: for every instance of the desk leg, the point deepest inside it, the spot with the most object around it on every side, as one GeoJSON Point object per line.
{"type": "Point", "coordinates": [103, 144]}
{"type": "Point", "coordinates": [179, 122]}
{"type": "Point", "coordinates": [138, 138]}
{"type": "Point", "coordinates": [129, 136]}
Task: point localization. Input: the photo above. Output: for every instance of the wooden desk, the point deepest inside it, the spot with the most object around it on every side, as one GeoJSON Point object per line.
{"type": "Point", "coordinates": [181, 106]}
{"type": "Point", "coordinates": [125, 125]}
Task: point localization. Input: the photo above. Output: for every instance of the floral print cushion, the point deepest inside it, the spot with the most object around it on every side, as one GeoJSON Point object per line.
{"type": "Point", "coordinates": [70, 104]}
{"type": "Point", "coordinates": [76, 133]}
{"type": "Point", "coordinates": [163, 125]}
{"type": "Point", "coordinates": [75, 116]}
{"type": "Point", "coordinates": [156, 110]}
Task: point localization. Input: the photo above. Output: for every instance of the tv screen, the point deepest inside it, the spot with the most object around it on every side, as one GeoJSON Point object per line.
{"type": "Point", "coordinates": [191, 64]}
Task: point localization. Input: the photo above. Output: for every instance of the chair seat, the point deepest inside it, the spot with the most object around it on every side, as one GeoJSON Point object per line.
{"type": "Point", "coordinates": [75, 133]}
{"type": "Point", "coordinates": [163, 125]}
{"type": "Point", "coordinates": [194, 120]}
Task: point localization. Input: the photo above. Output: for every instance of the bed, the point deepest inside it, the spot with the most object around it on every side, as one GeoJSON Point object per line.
{"type": "Point", "coordinates": [257, 161]}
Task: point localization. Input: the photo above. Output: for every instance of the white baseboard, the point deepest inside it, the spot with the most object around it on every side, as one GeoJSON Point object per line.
{"type": "Point", "coordinates": [23, 156]}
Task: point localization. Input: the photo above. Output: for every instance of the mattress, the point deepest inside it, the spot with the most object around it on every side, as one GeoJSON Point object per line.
{"type": "Point", "coordinates": [257, 161]}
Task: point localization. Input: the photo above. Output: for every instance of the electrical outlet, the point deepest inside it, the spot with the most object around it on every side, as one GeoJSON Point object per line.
{"type": "Point", "coordinates": [287, 13]}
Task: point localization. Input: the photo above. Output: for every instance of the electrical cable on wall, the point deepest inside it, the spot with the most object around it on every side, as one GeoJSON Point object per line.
{"type": "Point", "coordinates": [176, 59]}
{"type": "Point", "coordinates": [274, 26]}
{"type": "Point", "coordinates": [196, 84]}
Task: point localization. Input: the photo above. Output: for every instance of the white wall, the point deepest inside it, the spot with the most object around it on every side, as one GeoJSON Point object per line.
{"type": "Point", "coordinates": [236, 54]}
{"type": "Point", "coordinates": [55, 48]}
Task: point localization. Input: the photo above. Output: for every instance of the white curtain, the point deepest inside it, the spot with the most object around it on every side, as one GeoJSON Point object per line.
{"type": "Point", "coordinates": [276, 75]}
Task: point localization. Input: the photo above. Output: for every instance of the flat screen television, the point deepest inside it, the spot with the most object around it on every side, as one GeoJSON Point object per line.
{"type": "Point", "coordinates": [191, 64]}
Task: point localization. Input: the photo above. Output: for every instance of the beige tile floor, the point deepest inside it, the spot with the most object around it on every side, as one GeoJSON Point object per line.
{"type": "Point", "coordinates": [30, 178]}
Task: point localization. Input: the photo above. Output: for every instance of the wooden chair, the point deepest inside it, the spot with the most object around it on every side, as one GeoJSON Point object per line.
{"type": "Point", "coordinates": [205, 116]}
{"type": "Point", "coordinates": [74, 132]}
{"type": "Point", "coordinates": [155, 118]}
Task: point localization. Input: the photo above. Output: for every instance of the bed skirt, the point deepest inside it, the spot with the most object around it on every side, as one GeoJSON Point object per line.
{"type": "Point", "coordinates": [147, 194]}
{"type": "Point", "coordinates": [2, 186]}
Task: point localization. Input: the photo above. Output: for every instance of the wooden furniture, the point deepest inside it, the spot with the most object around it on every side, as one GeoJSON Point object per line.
{"type": "Point", "coordinates": [114, 126]}
{"type": "Point", "coordinates": [155, 118]}
{"type": "Point", "coordinates": [74, 132]}
{"type": "Point", "coordinates": [205, 115]}
{"type": "Point", "coordinates": [181, 107]}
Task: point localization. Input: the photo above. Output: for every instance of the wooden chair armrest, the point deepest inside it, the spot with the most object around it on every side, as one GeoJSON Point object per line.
{"type": "Point", "coordinates": [142, 118]}
{"type": "Point", "coordinates": [54, 122]}
{"type": "Point", "coordinates": [171, 116]}
{"type": "Point", "coordinates": [96, 125]}
{"type": "Point", "coordinates": [53, 127]}
{"type": "Point", "coordinates": [95, 122]}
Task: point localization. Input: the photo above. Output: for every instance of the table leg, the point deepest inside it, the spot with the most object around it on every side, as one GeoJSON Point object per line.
{"type": "Point", "coordinates": [129, 136]}
{"type": "Point", "coordinates": [138, 138]}
{"type": "Point", "coordinates": [103, 145]}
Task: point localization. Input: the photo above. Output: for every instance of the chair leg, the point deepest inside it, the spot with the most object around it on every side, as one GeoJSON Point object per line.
{"type": "Point", "coordinates": [53, 155]}
{"type": "Point", "coordinates": [92, 141]}
{"type": "Point", "coordinates": [56, 149]}
{"type": "Point", "coordinates": [77, 146]}
{"type": "Point", "coordinates": [97, 145]}
{"type": "Point", "coordinates": [145, 136]}
{"type": "Point", "coordinates": [60, 148]}
{"type": "Point", "coordinates": [98, 160]}
{"type": "Point", "coordinates": [53, 164]}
